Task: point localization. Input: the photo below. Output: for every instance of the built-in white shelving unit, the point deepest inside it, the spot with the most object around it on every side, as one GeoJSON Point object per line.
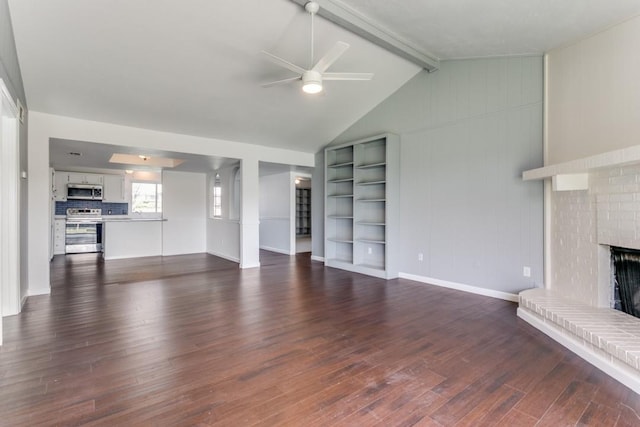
{"type": "Point", "coordinates": [303, 211]}
{"type": "Point", "coordinates": [361, 205]}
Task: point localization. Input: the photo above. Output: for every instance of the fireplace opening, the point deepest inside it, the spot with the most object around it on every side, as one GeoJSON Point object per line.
{"type": "Point", "coordinates": [626, 280]}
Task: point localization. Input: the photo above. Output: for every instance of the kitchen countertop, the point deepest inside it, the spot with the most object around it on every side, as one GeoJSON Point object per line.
{"type": "Point", "coordinates": [117, 218]}
{"type": "Point", "coordinates": [113, 218]}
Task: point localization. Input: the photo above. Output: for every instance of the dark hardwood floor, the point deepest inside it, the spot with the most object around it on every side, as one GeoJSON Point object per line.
{"type": "Point", "coordinates": [193, 340]}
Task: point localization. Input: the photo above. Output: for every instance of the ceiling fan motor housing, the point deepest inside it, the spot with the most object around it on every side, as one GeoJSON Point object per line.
{"type": "Point", "coordinates": [312, 81]}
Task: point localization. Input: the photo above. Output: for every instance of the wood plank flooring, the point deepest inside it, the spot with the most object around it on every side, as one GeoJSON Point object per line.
{"type": "Point", "coordinates": [193, 340]}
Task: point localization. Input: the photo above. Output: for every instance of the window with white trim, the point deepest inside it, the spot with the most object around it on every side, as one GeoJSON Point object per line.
{"type": "Point", "coordinates": [146, 197]}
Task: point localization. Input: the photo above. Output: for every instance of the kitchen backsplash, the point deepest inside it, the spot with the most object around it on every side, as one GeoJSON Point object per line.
{"type": "Point", "coordinates": [115, 208]}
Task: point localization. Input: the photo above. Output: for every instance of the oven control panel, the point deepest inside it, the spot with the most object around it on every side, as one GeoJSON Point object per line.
{"type": "Point", "coordinates": [83, 213]}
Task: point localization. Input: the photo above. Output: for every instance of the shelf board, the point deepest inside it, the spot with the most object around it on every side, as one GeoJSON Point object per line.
{"type": "Point", "coordinates": [370, 223]}
{"type": "Point", "coordinates": [379, 242]}
{"type": "Point", "coordinates": [339, 217]}
{"type": "Point", "coordinates": [340, 180]}
{"type": "Point", "coordinates": [340, 195]}
{"type": "Point", "coordinates": [372, 182]}
{"type": "Point", "coordinates": [372, 200]}
{"type": "Point", "coordinates": [340, 240]}
{"type": "Point", "coordinates": [341, 165]}
{"type": "Point", "coordinates": [372, 165]}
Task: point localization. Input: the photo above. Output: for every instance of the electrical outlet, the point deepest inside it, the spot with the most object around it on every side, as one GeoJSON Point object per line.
{"type": "Point", "coordinates": [526, 271]}
{"type": "Point", "coordinates": [420, 257]}
{"type": "Point", "coordinates": [369, 251]}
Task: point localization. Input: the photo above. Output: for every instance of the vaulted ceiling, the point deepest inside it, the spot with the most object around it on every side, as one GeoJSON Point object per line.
{"type": "Point", "coordinates": [195, 67]}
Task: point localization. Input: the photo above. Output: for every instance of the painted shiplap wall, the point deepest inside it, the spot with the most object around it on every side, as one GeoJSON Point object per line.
{"type": "Point", "coordinates": [467, 133]}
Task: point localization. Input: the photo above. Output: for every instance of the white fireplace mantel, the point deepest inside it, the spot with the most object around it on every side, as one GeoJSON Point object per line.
{"type": "Point", "coordinates": [624, 156]}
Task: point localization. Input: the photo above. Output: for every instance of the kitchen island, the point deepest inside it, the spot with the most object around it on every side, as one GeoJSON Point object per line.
{"type": "Point", "coordinates": [127, 237]}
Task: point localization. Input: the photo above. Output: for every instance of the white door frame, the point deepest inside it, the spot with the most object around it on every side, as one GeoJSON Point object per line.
{"type": "Point", "coordinates": [9, 205]}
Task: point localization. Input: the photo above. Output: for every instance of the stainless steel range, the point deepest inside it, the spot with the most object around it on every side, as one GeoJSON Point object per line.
{"type": "Point", "coordinates": [83, 231]}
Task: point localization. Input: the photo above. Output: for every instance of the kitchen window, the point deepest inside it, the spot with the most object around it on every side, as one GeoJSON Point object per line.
{"type": "Point", "coordinates": [146, 197]}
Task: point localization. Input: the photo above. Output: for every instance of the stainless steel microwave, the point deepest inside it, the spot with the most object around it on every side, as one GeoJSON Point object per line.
{"type": "Point", "coordinates": [84, 192]}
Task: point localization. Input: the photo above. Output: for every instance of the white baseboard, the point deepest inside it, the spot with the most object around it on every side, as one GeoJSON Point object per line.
{"type": "Point", "coordinates": [112, 258]}
{"type": "Point", "coordinates": [244, 266]}
{"type": "Point", "coordinates": [227, 257]}
{"type": "Point", "coordinates": [280, 251]}
{"type": "Point", "coordinates": [461, 287]}
{"type": "Point", "coordinates": [621, 373]}
{"type": "Point", "coordinates": [33, 292]}
{"type": "Point", "coordinates": [317, 258]}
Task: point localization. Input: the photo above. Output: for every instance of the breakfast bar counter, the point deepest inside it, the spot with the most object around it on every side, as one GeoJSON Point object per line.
{"type": "Point", "coordinates": [127, 237]}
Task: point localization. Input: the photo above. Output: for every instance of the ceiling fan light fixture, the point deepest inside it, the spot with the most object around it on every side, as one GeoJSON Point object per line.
{"type": "Point", "coordinates": [312, 82]}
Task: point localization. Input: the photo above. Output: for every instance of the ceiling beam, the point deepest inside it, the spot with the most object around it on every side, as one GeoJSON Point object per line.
{"type": "Point", "coordinates": [340, 14]}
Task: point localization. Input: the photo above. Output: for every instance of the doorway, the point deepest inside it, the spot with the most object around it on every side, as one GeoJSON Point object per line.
{"type": "Point", "coordinates": [303, 213]}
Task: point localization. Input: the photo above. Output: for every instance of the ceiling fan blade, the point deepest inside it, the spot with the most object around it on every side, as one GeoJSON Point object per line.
{"type": "Point", "coordinates": [347, 76]}
{"type": "Point", "coordinates": [330, 57]}
{"type": "Point", "coordinates": [284, 63]}
{"type": "Point", "coordinates": [281, 82]}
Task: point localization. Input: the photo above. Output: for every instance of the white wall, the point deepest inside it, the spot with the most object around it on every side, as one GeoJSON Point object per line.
{"type": "Point", "coordinates": [468, 131]}
{"type": "Point", "coordinates": [223, 234]}
{"type": "Point", "coordinates": [317, 208]}
{"type": "Point", "coordinates": [10, 75]}
{"type": "Point", "coordinates": [277, 213]}
{"type": "Point", "coordinates": [223, 238]}
{"type": "Point", "coordinates": [594, 94]}
{"type": "Point", "coordinates": [43, 126]}
{"type": "Point", "coordinates": [184, 207]}
{"type": "Point", "coordinates": [250, 215]}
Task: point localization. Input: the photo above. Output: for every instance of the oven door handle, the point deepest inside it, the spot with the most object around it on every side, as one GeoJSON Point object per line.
{"type": "Point", "coordinates": [82, 222]}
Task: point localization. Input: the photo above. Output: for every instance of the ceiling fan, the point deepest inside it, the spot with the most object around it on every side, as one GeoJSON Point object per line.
{"type": "Point", "coordinates": [312, 78]}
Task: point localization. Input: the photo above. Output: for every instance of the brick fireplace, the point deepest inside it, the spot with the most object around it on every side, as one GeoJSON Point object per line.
{"type": "Point", "coordinates": [575, 307]}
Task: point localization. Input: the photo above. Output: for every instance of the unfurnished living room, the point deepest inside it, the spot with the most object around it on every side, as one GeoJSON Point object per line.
{"type": "Point", "coordinates": [320, 213]}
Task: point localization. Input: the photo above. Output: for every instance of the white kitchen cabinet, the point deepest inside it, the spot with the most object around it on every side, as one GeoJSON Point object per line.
{"type": "Point", "coordinates": [84, 178]}
{"type": "Point", "coordinates": [60, 181]}
{"type": "Point", "coordinates": [113, 190]}
{"type": "Point", "coordinates": [59, 236]}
